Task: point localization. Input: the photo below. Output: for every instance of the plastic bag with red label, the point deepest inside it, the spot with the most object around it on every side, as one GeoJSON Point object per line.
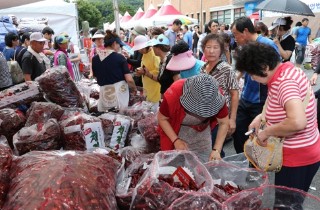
{"type": "Point", "coordinates": [38, 137]}
{"type": "Point", "coordinates": [171, 175]}
{"type": "Point", "coordinates": [196, 201]}
{"type": "Point", "coordinates": [62, 180]}
{"type": "Point", "coordinates": [59, 88]}
{"type": "Point", "coordinates": [128, 179]}
{"type": "Point", "coordinates": [82, 132]}
{"type": "Point", "coordinates": [272, 197]}
{"type": "Point", "coordinates": [41, 112]}
{"type": "Point", "coordinates": [5, 164]}
{"type": "Point", "coordinates": [11, 121]}
{"type": "Point", "coordinates": [230, 179]}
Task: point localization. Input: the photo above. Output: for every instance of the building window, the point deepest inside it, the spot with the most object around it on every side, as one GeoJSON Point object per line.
{"type": "Point", "coordinates": [198, 16]}
{"type": "Point", "coordinates": [187, 15]}
{"type": "Point", "coordinates": [204, 18]}
{"type": "Point", "coordinates": [191, 15]}
{"type": "Point", "coordinates": [239, 13]}
{"type": "Point", "coordinates": [223, 16]}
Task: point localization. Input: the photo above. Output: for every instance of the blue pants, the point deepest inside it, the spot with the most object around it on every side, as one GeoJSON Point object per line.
{"type": "Point", "coordinates": [300, 51]}
{"type": "Point", "coordinates": [245, 114]}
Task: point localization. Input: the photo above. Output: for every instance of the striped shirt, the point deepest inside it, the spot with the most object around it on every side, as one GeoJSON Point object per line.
{"type": "Point", "coordinates": [289, 83]}
{"type": "Point", "coordinates": [226, 77]}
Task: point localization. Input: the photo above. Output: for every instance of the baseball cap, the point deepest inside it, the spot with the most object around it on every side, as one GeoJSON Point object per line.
{"type": "Point", "coordinates": [61, 39]}
{"type": "Point", "coordinates": [37, 36]}
{"type": "Point", "coordinates": [277, 22]}
{"type": "Point", "coordinates": [160, 40]}
{"type": "Point", "coordinates": [65, 35]}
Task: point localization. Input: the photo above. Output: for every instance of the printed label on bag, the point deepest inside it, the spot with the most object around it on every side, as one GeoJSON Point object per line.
{"type": "Point", "coordinates": [119, 134]}
{"type": "Point", "coordinates": [94, 135]}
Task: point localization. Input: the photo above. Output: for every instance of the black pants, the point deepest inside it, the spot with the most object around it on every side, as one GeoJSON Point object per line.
{"type": "Point", "coordinates": [245, 114]}
{"type": "Point", "coordinates": [297, 177]}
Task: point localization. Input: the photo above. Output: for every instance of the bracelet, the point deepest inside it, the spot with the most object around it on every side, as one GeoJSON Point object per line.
{"type": "Point", "coordinates": [175, 140]}
{"type": "Point", "coordinates": [216, 150]}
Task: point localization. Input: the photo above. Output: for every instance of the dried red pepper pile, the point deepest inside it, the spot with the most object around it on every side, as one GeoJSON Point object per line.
{"type": "Point", "coordinates": [11, 122]}
{"type": "Point", "coordinates": [38, 137]}
{"type": "Point", "coordinates": [40, 112]}
{"type": "Point", "coordinates": [59, 88]}
{"type": "Point", "coordinates": [5, 164]}
{"type": "Point", "coordinates": [62, 180]}
{"type": "Point", "coordinates": [228, 189]}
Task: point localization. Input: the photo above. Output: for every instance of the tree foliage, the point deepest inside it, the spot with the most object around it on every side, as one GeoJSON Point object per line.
{"type": "Point", "coordinates": [97, 12]}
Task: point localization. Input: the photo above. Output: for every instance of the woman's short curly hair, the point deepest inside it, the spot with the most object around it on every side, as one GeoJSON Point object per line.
{"type": "Point", "coordinates": [255, 57]}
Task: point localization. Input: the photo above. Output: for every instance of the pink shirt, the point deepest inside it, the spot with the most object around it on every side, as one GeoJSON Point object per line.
{"type": "Point", "coordinates": [302, 148]}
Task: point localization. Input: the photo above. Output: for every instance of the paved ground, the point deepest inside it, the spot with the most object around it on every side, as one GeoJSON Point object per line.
{"type": "Point", "coordinates": [315, 186]}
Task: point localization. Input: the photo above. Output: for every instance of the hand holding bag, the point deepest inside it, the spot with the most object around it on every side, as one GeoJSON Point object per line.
{"type": "Point", "coordinates": [267, 158]}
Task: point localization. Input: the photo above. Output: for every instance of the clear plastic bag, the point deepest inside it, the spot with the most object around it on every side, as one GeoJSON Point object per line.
{"type": "Point", "coordinates": [128, 180]}
{"type": "Point", "coordinates": [238, 160]}
{"type": "Point", "coordinates": [41, 112]}
{"type": "Point", "coordinates": [273, 197]}
{"type": "Point", "coordinates": [62, 180]}
{"type": "Point", "coordinates": [229, 179]}
{"type": "Point", "coordinates": [5, 164]}
{"type": "Point", "coordinates": [196, 201]}
{"type": "Point", "coordinates": [59, 88]}
{"type": "Point", "coordinates": [81, 131]}
{"type": "Point", "coordinates": [148, 128]}
{"type": "Point", "coordinates": [38, 137]}
{"type": "Point", "coordinates": [11, 121]}
{"type": "Point", "coordinates": [152, 193]}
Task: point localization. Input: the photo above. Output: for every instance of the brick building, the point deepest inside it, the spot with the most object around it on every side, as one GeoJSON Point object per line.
{"type": "Point", "coordinates": [225, 11]}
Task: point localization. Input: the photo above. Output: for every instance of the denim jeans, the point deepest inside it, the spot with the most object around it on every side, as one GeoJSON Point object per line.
{"type": "Point", "coordinates": [246, 113]}
{"type": "Point", "coordinates": [300, 51]}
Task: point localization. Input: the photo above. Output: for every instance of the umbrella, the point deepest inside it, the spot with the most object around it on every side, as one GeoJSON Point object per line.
{"type": "Point", "coordinates": [286, 6]}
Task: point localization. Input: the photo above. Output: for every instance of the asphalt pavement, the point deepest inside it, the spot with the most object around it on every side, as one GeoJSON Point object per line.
{"type": "Point", "coordinates": [315, 185]}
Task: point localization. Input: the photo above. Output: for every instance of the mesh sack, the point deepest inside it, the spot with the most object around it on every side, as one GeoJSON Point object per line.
{"type": "Point", "coordinates": [5, 164]}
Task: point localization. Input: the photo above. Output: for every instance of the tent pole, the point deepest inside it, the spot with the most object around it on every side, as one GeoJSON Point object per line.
{"type": "Point", "coordinates": [116, 16]}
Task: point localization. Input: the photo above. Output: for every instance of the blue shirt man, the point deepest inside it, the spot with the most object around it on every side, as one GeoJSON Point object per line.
{"type": "Point", "coordinates": [171, 33]}
{"type": "Point", "coordinates": [187, 36]}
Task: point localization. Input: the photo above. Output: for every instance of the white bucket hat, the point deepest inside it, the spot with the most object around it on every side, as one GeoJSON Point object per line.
{"type": "Point", "coordinates": [140, 42]}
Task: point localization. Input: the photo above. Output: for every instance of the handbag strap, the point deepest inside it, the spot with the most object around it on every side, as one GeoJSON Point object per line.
{"type": "Point", "coordinates": [304, 103]}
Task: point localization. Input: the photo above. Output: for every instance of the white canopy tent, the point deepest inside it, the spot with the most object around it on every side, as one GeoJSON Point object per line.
{"type": "Point", "coordinates": [63, 16]}
{"type": "Point", "coordinates": [7, 4]}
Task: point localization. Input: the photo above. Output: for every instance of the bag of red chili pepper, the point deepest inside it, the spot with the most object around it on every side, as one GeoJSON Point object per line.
{"type": "Point", "coordinates": [273, 197]}
{"type": "Point", "coordinates": [129, 179]}
{"type": "Point", "coordinates": [230, 179]}
{"type": "Point", "coordinates": [5, 164]}
{"type": "Point", "coordinates": [196, 201]}
{"type": "Point", "coordinates": [38, 137]}
{"type": "Point", "coordinates": [81, 132]}
{"type": "Point", "coordinates": [62, 180]}
{"type": "Point", "coordinates": [59, 88]}
{"type": "Point", "coordinates": [160, 186]}
{"type": "Point", "coordinates": [11, 121]}
{"type": "Point", "coordinates": [41, 112]}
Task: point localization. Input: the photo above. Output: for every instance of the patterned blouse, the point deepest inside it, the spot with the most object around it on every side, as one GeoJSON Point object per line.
{"type": "Point", "coordinates": [226, 77]}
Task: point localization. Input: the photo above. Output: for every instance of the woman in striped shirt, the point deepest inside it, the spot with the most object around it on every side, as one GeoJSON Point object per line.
{"type": "Point", "coordinates": [286, 114]}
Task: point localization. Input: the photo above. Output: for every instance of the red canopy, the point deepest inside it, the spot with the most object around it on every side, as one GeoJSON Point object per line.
{"type": "Point", "coordinates": [138, 14]}
{"type": "Point", "coordinates": [167, 9]}
{"type": "Point", "coordinates": [150, 12]}
{"type": "Point", "coordinates": [126, 17]}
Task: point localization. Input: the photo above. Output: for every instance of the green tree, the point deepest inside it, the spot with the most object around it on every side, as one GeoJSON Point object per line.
{"type": "Point", "coordinates": [89, 12]}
